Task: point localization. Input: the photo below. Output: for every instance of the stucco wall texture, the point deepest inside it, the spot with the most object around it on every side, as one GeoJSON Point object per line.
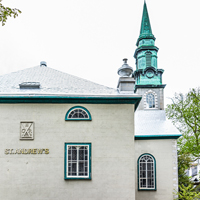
{"type": "Point", "coordinates": [165, 154]}
{"type": "Point", "coordinates": [41, 176]}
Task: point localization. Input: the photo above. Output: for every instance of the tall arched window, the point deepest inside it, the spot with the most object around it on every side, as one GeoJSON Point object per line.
{"type": "Point", "coordinates": [146, 172]}
{"type": "Point", "coordinates": [150, 100]}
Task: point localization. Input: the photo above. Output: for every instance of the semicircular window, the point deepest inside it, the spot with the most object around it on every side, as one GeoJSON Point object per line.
{"type": "Point", "coordinates": [78, 113]}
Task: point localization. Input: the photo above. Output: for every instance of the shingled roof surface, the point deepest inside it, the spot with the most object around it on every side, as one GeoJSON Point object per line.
{"type": "Point", "coordinates": [51, 81]}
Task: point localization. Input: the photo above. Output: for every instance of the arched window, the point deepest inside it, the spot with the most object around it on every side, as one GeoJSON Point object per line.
{"type": "Point", "coordinates": [146, 172]}
{"type": "Point", "coordinates": [150, 100]}
{"type": "Point", "coordinates": [78, 113]}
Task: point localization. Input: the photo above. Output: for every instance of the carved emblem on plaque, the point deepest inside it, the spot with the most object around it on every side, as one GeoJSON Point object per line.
{"type": "Point", "coordinates": [26, 130]}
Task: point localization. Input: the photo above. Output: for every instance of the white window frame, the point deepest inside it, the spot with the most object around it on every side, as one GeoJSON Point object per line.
{"type": "Point", "coordinates": [146, 175]}
{"type": "Point", "coordinates": [146, 105]}
{"type": "Point", "coordinates": [77, 146]}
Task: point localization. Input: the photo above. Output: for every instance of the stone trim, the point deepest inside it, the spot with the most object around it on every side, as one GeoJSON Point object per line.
{"type": "Point", "coordinates": [145, 100]}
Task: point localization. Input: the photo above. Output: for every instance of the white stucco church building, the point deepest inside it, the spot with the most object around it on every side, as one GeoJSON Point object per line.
{"type": "Point", "coordinates": [63, 137]}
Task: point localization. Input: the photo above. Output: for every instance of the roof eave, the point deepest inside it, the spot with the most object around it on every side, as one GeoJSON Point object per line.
{"type": "Point", "coordinates": [62, 99]}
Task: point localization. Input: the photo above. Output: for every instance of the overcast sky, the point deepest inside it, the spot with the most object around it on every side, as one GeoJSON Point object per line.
{"type": "Point", "coordinates": [89, 38]}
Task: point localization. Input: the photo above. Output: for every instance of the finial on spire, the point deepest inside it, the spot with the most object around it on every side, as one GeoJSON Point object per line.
{"type": "Point", "coordinates": [125, 60]}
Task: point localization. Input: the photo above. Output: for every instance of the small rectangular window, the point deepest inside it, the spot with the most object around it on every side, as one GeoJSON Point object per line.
{"type": "Point", "coordinates": [77, 161]}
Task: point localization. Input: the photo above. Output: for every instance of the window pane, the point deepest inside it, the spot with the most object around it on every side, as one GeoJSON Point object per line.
{"type": "Point", "coordinates": [74, 154]}
{"type": "Point", "coordinates": [74, 168]}
{"type": "Point", "coordinates": [149, 166]}
{"type": "Point", "coordinates": [143, 183]}
{"type": "Point", "coordinates": [81, 168]}
{"type": "Point", "coordinates": [150, 100]}
{"type": "Point", "coordinates": [81, 153]}
{"type": "Point", "coordinates": [150, 184]}
{"type": "Point", "coordinates": [69, 169]}
{"type": "Point", "coordinates": [78, 113]}
{"type": "Point", "coordinates": [146, 173]}
{"type": "Point", "coordinates": [143, 166]}
{"type": "Point", "coordinates": [149, 174]}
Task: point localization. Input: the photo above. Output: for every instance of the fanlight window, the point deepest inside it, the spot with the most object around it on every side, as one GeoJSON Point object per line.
{"type": "Point", "coordinates": [146, 165]}
{"type": "Point", "coordinates": [78, 113]}
{"type": "Point", "coordinates": [150, 100]}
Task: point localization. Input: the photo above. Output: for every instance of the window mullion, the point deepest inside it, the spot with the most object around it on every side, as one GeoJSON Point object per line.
{"type": "Point", "coordinates": [77, 161]}
{"type": "Point", "coordinates": [146, 174]}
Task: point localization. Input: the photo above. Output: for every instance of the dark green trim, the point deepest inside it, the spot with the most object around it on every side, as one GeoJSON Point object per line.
{"type": "Point", "coordinates": [150, 86]}
{"type": "Point", "coordinates": [145, 37]}
{"type": "Point", "coordinates": [69, 99]}
{"type": "Point", "coordinates": [65, 162]}
{"type": "Point", "coordinates": [156, 137]}
{"type": "Point", "coordinates": [138, 167]}
{"type": "Point", "coordinates": [78, 119]}
{"type": "Point", "coordinates": [143, 48]}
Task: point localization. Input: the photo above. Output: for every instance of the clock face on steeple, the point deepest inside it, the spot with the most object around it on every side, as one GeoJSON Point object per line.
{"type": "Point", "coordinates": [150, 73]}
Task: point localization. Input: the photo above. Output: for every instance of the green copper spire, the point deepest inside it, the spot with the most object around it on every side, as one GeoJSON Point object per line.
{"type": "Point", "coordinates": [145, 30]}
{"type": "Point", "coordinates": [147, 73]}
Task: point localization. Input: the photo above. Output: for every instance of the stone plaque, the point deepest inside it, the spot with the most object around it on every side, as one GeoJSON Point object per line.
{"type": "Point", "coordinates": [26, 131]}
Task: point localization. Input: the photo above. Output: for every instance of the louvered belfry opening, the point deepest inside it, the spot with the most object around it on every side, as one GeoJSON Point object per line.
{"type": "Point", "coordinates": [148, 59]}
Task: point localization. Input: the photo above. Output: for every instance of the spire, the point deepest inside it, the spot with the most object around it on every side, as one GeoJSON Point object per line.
{"type": "Point", "coordinates": [145, 30]}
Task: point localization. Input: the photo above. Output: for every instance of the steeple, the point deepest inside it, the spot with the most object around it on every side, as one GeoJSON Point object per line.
{"type": "Point", "coordinates": [147, 75]}
{"type": "Point", "coordinates": [145, 30]}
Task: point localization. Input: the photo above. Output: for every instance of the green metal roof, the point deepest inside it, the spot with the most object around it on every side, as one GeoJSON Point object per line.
{"type": "Point", "coordinates": [145, 30]}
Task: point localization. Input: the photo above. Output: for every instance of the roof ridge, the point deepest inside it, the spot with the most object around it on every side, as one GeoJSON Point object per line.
{"type": "Point", "coordinates": [53, 81]}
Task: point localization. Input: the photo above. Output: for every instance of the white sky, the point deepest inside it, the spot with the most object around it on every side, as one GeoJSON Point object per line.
{"type": "Point", "coordinates": [89, 38]}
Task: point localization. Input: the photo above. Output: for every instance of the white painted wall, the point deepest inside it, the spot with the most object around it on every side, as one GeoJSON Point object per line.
{"type": "Point", "coordinates": [41, 177]}
{"type": "Point", "coordinates": [165, 154]}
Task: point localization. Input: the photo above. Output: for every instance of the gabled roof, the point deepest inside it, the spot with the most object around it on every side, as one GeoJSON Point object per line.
{"type": "Point", "coordinates": [42, 84]}
{"type": "Point", "coordinates": [49, 81]}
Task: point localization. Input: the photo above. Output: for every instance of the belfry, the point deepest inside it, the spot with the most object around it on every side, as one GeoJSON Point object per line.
{"type": "Point", "coordinates": [148, 78]}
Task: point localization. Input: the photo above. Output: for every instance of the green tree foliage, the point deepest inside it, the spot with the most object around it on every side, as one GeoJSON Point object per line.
{"type": "Point", "coordinates": [184, 112]}
{"type": "Point", "coordinates": [185, 115]}
{"type": "Point", "coordinates": [184, 162]}
{"type": "Point", "coordinates": [187, 193]}
{"type": "Point", "coordinates": [6, 12]}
